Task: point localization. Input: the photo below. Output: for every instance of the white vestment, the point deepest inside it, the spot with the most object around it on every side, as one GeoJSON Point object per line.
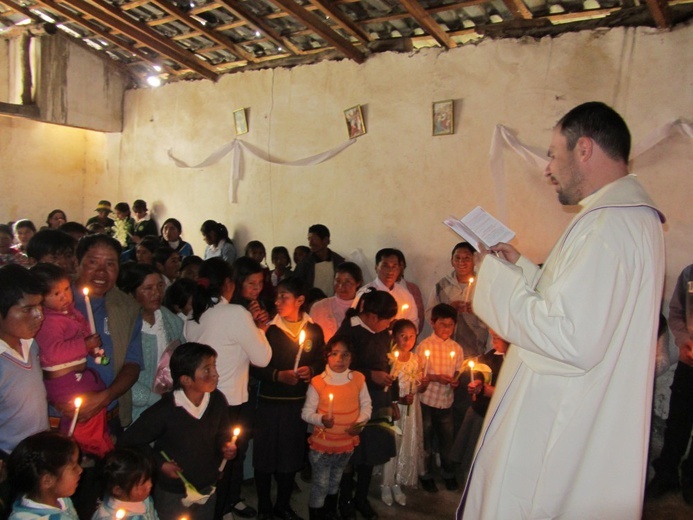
{"type": "Point", "coordinates": [566, 434]}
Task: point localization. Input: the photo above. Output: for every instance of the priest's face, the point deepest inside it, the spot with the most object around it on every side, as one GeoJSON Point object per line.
{"type": "Point", "coordinates": [563, 170]}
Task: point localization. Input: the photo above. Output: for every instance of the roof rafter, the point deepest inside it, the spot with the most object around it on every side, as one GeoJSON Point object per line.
{"type": "Point", "coordinates": [426, 21]}
{"type": "Point", "coordinates": [342, 20]}
{"type": "Point", "coordinates": [322, 29]}
{"type": "Point", "coordinates": [659, 9]}
{"type": "Point", "coordinates": [518, 9]}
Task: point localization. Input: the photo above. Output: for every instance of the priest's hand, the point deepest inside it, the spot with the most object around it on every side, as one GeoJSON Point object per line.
{"type": "Point", "coordinates": [506, 252]}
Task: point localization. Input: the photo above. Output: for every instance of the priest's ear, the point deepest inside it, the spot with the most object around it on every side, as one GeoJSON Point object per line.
{"type": "Point", "coordinates": [584, 148]}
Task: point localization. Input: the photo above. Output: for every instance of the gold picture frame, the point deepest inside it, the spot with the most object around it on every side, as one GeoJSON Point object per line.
{"type": "Point", "coordinates": [240, 122]}
{"type": "Point", "coordinates": [356, 126]}
{"type": "Point", "coordinates": [444, 117]}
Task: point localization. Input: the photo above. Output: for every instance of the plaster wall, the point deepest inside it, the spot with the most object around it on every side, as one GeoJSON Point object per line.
{"type": "Point", "coordinates": [398, 182]}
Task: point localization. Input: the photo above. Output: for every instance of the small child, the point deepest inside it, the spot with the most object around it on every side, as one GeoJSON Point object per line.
{"type": "Point", "coordinates": [64, 342]}
{"type": "Point", "coordinates": [436, 402]}
{"type": "Point", "coordinates": [405, 467]}
{"type": "Point", "coordinates": [336, 432]}
{"type": "Point", "coordinates": [44, 468]}
{"type": "Point", "coordinates": [190, 425]}
{"type": "Point", "coordinates": [127, 474]}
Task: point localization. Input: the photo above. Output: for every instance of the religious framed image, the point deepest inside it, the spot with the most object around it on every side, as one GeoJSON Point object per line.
{"type": "Point", "coordinates": [240, 122]}
{"type": "Point", "coordinates": [443, 123]}
{"type": "Point", "coordinates": [354, 121]}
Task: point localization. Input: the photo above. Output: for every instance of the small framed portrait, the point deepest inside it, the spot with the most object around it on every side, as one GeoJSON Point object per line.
{"type": "Point", "coordinates": [354, 121]}
{"type": "Point", "coordinates": [443, 123]}
{"type": "Point", "coordinates": [240, 122]}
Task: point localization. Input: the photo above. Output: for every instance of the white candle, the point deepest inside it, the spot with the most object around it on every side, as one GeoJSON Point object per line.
{"type": "Point", "coordinates": [467, 292]}
{"type": "Point", "coordinates": [78, 403]}
{"type": "Point", "coordinates": [471, 370]}
{"type": "Point", "coordinates": [301, 340]}
{"type": "Point", "coordinates": [452, 360]}
{"type": "Point", "coordinates": [329, 410]}
{"type": "Point", "coordinates": [427, 353]}
{"type": "Point", "coordinates": [394, 364]}
{"type": "Point", "coordinates": [90, 312]}
{"type": "Point", "coordinates": [236, 432]}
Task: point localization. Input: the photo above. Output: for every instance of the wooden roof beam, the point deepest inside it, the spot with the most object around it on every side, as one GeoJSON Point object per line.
{"type": "Point", "coordinates": [210, 33]}
{"type": "Point", "coordinates": [426, 21]}
{"type": "Point", "coordinates": [518, 9]}
{"type": "Point", "coordinates": [659, 9]}
{"type": "Point", "coordinates": [256, 23]}
{"type": "Point", "coordinates": [342, 20]}
{"type": "Point", "coordinates": [322, 29]}
{"type": "Point", "coordinates": [144, 34]}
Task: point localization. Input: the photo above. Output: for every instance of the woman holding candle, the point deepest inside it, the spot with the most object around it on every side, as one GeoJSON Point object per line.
{"type": "Point", "coordinates": [65, 340]}
{"type": "Point", "coordinates": [405, 468]}
{"type": "Point", "coordinates": [162, 332]}
{"type": "Point", "coordinates": [330, 312]}
{"type": "Point", "coordinates": [280, 434]}
{"type": "Point", "coordinates": [366, 327]}
{"type": "Point", "coordinates": [344, 394]}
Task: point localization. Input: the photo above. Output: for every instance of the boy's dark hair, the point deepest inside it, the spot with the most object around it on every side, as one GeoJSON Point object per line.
{"type": "Point", "coordinates": [89, 241]}
{"type": "Point", "coordinates": [186, 359]}
{"type": "Point", "coordinates": [74, 227]}
{"type": "Point", "coordinates": [49, 274]}
{"type": "Point", "coordinates": [177, 294]}
{"type": "Point", "coordinates": [125, 468]}
{"type": "Point", "coordinates": [442, 311]}
{"type": "Point", "coordinates": [37, 455]}
{"type": "Point", "coordinates": [389, 251]}
{"type": "Point", "coordinates": [50, 242]}
{"type": "Point", "coordinates": [344, 340]}
{"type": "Point", "coordinates": [163, 253]}
{"type": "Point", "coordinates": [600, 123]}
{"type": "Point", "coordinates": [400, 325]}
{"type": "Point", "coordinates": [132, 276]}
{"type": "Point", "coordinates": [380, 303]}
{"type": "Point", "coordinates": [352, 270]}
{"type": "Point", "coordinates": [16, 281]}
{"type": "Point", "coordinates": [294, 285]}
{"type": "Point", "coordinates": [281, 250]}
{"type": "Point", "coordinates": [462, 245]}
{"type": "Point", "coordinates": [321, 230]}
{"type": "Point", "coordinates": [304, 249]}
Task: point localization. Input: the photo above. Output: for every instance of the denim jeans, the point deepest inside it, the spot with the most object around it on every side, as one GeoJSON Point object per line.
{"type": "Point", "coordinates": [327, 473]}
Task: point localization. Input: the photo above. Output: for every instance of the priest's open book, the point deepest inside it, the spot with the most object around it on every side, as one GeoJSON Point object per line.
{"type": "Point", "coordinates": [479, 227]}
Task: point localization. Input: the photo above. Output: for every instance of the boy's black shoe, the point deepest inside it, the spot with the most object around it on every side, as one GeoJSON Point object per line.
{"type": "Point", "coordinates": [243, 510]}
{"type": "Point", "coordinates": [287, 514]}
{"type": "Point", "coordinates": [367, 512]}
{"type": "Point", "coordinates": [428, 484]}
{"type": "Point", "coordinates": [451, 484]}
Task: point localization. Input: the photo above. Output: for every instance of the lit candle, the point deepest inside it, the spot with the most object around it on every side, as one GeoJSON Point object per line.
{"type": "Point", "coordinates": [90, 313]}
{"type": "Point", "coordinates": [394, 364]}
{"type": "Point", "coordinates": [467, 293]}
{"type": "Point", "coordinates": [120, 514]}
{"type": "Point", "coordinates": [427, 353]}
{"type": "Point", "coordinates": [405, 307]}
{"type": "Point", "coordinates": [329, 410]}
{"type": "Point", "coordinates": [471, 371]}
{"type": "Point", "coordinates": [452, 360]}
{"type": "Point", "coordinates": [78, 403]}
{"type": "Point", "coordinates": [301, 340]}
{"type": "Point", "coordinates": [236, 432]}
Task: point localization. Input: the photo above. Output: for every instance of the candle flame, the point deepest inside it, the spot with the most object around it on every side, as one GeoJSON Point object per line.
{"type": "Point", "coordinates": [302, 337]}
{"type": "Point", "coordinates": [452, 354]}
{"type": "Point", "coordinates": [471, 364]}
{"type": "Point", "coordinates": [331, 397]}
{"type": "Point", "coordinates": [78, 402]}
{"type": "Point", "coordinates": [471, 281]}
{"type": "Point", "coordinates": [427, 353]}
{"type": "Point", "coordinates": [396, 354]}
{"type": "Point", "coordinates": [120, 513]}
{"type": "Point", "coordinates": [236, 431]}
{"type": "Point", "coordinates": [85, 291]}
{"type": "Point", "coordinates": [405, 307]}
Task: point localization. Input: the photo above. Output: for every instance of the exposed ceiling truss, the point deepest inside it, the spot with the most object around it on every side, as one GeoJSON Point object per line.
{"type": "Point", "coordinates": [181, 39]}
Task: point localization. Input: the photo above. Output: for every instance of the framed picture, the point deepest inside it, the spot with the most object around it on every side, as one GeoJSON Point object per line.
{"type": "Point", "coordinates": [354, 121]}
{"type": "Point", "coordinates": [443, 123]}
{"type": "Point", "coordinates": [240, 121]}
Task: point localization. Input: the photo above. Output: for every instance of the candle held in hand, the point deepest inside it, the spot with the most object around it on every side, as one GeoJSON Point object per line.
{"type": "Point", "coordinates": [78, 403]}
{"type": "Point", "coordinates": [452, 361]}
{"type": "Point", "coordinates": [301, 340]}
{"type": "Point", "coordinates": [468, 291]}
{"type": "Point", "coordinates": [329, 410]}
{"type": "Point", "coordinates": [427, 353]}
{"type": "Point", "coordinates": [90, 312]}
{"type": "Point", "coordinates": [393, 371]}
{"type": "Point", "coordinates": [236, 432]}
